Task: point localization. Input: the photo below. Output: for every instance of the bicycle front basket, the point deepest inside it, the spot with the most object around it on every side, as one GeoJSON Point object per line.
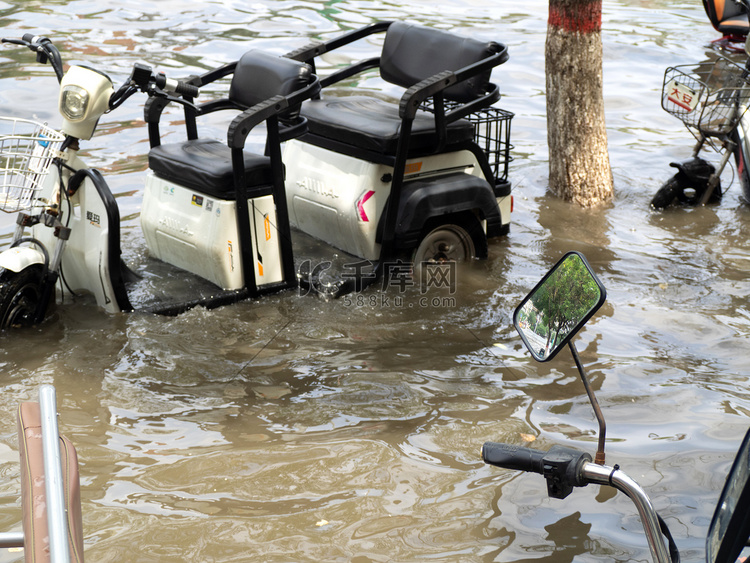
{"type": "Point", "coordinates": [26, 152]}
{"type": "Point", "coordinates": [711, 96]}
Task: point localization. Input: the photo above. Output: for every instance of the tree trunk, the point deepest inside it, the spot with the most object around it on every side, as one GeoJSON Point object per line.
{"type": "Point", "coordinates": [579, 169]}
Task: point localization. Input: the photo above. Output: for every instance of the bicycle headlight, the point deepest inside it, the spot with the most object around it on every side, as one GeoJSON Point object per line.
{"type": "Point", "coordinates": [74, 101]}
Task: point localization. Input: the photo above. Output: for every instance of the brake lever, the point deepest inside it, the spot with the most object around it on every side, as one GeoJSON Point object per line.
{"type": "Point", "coordinates": [20, 42]}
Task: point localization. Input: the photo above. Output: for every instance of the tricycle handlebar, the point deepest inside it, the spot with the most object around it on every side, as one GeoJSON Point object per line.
{"type": "Point", "coordinates": [176, 86]}
{"type": "Point", "coordinates": [145, 79]}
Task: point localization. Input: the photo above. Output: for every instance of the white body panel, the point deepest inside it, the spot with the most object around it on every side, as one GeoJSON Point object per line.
{"type": "Point", "coordinates": [198, 233]}
{"type": "Point", "coordinates": [323, 189]}
{"type": "Point", "coordinates": [339, 199]}
{"type": "Point", "coordinates": [85, 262]}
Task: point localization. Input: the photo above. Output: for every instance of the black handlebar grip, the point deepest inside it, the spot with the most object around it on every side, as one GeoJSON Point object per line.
{"type": "Point", "coordinates": [187, 89]}
{"type": "Point", "coordinates": [175, 86]}
{"type": "Point", "coordinates": [28, 37]}
{"type": "Point", "coordinates": [513, 457]}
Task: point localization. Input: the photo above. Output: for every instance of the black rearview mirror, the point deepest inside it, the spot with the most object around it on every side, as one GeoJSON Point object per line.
{"type": "Point", "coordinates": [558, 306]}
{"type": "Point", "coordinates": [730, 526]}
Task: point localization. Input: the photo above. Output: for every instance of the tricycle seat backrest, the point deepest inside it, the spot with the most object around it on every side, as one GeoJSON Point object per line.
{"type": "Point", "coordinates": [412, 53]}
{"type": "Point", "coordinates": [260, 75]}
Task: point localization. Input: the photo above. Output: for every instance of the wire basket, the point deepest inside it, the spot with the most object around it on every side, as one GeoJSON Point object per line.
{"type": "Point", "coordinates": [491, 133]}
{"type": "Point", "coordinates": [711, 96]}
{"type": "Point", "coordinates": [26, 152]}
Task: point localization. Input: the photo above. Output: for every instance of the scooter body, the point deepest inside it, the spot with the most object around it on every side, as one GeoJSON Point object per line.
{"type": "Point", "coordinates": [90, 258]}
{"type": "Point", "coordinates": [72, 223]}
{"type": "Point", "coordinates": [711, 99]}
{"type": "Point", "coordinates": [742, 154]}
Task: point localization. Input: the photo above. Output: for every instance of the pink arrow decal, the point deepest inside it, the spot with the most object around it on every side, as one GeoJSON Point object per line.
{"type": "Point", "coordinates": [361, 203]}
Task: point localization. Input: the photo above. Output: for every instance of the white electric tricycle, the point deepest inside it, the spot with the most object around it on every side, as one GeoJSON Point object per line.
{"type": "Point", "coordinates": [227, 226]}
{"type": "Point", "coordinates": [416, 183]}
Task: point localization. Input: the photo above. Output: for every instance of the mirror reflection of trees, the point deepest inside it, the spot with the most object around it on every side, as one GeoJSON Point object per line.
{"type": "Point", "coordinates": [560, 303]}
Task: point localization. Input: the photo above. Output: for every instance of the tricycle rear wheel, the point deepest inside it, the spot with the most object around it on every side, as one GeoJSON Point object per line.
{"type": "Point", "coordinates": [446, 243]}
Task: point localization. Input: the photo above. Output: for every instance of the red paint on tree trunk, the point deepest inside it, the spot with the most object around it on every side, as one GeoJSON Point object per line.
{"type": "Point", "coordinates": [583, 17]}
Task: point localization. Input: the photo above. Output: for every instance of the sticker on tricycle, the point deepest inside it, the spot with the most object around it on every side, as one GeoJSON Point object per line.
{"type": "Point", "coordinates": [681, 95]}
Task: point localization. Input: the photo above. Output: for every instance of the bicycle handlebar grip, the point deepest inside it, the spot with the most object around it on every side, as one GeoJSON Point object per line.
{"type": "Point", "coordinates": [513, 457]}
{"type": "Point", "coordinates": [28, 37]}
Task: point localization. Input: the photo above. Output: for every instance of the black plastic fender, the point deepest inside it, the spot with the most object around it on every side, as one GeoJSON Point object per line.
{"type": "Point", "coordinates": [430, 198]}
{"type": "Point", "coordinates": [695, 169]}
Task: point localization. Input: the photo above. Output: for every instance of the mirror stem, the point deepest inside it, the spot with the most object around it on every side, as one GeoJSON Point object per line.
{"type": "Point", "coordinates": [599, 459]}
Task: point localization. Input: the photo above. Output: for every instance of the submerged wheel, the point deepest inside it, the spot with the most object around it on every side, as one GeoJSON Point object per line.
{"type": "Point", "coordinates": [20, 293]}
{"type": "Point", "coordinates": [678, 189]}
{"type": "Point", "coordinates": [446, 243]}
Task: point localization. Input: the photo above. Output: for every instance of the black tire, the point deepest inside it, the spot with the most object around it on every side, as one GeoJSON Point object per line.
{"type": "Point", "coordinates": [20, 293]}
{"type": "Point", "coordinates": [678, 189]}
{"type": "Point", "coordinates": [445, 243]}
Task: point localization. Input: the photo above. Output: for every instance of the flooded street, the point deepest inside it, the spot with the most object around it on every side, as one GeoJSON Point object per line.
{"type": "Point", "coordinates": [293, 429]}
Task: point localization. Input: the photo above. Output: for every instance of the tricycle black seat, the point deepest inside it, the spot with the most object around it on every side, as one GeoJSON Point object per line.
{"type": "Point", "coordinates": [205, 165]}
{"type": "Point", "coordinates": [433, 66]}
{"type": "Point", "coordinates": [375, 125]}
{"type": "Point", "coordinates": [263, 86]}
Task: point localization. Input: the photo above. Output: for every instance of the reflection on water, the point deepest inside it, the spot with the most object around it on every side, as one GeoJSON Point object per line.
{"type": "Point", "coordinates": [294, 429]}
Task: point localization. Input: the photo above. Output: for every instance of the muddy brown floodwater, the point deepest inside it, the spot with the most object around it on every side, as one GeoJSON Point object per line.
{"type": "Point", "coordinates": [293, 429]}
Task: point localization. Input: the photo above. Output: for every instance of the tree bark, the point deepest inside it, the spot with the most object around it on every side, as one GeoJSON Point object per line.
{"type": "Point", "coordinates": [579, 168]}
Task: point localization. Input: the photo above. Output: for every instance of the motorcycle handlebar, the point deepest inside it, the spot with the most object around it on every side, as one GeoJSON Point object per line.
{"type": "Point", "coordinates": [29, 40]}
{"type": "Point", "coordinates": [562, 467]}
{"type": "Point", "coordinates": [565, 468]}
